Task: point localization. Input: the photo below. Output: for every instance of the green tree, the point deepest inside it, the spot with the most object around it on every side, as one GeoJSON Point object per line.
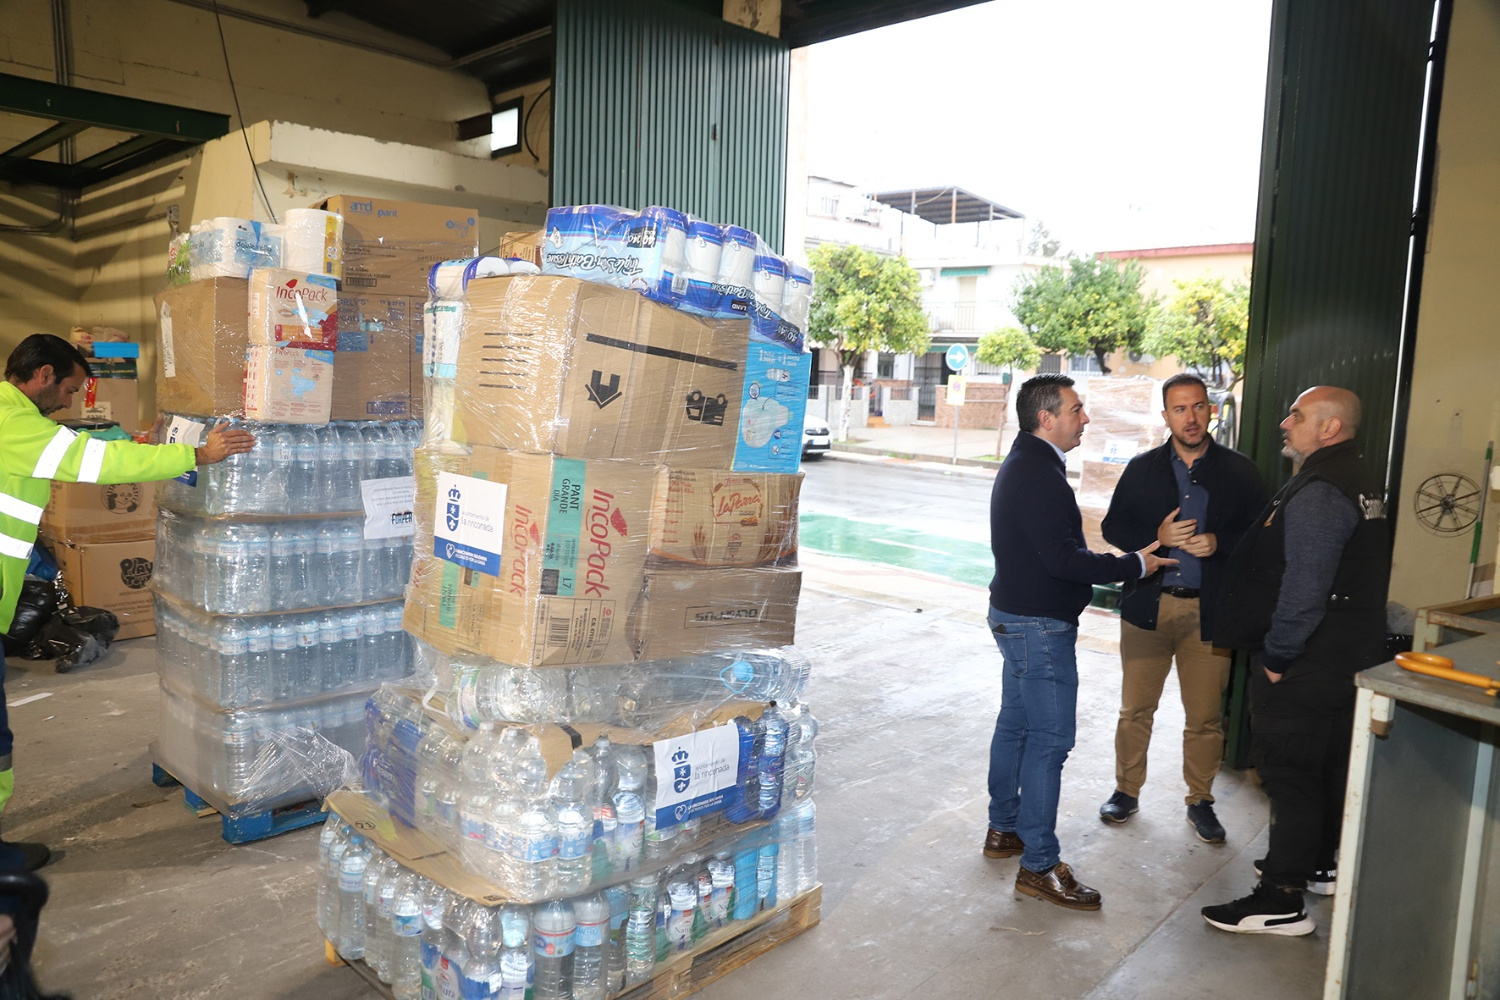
{"type": "Point", "coordinates": [864, 302]}
{"type": "Point", "coordinates": [1089, 304]}
{"type": "Point", "coordinates": [1204, 325]}
{"type": "Point", "coordinates": [1011, 347]}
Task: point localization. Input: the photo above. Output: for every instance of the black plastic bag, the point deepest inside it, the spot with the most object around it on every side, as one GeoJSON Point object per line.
{"type": "Point", "coordinates": [37, 605]}
{"type": "Point", "coordinates": [75, 637]}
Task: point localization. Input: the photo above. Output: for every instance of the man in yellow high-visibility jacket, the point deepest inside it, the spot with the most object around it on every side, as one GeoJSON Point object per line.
{"type": "Point", "coordinates": [41, 376]}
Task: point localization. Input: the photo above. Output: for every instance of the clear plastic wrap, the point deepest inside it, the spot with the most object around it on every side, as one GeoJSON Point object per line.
{"type": "Point", "coordinates": [294, 469]}
{"type": "Point", "coordinates": [583, 370]}
{"type": "Point", "coordinates": [253, 661]}
{"type": "Point", "coordinates": [537, 560]}
{"type": "Point", "coordinates": [587, 946]}
{"type": "Point", "coordinates": [645, 695]}
{"type": "Point", "coordinates": [704, 268]}
{"type": "Point", "coordinates": [245, 761]}
{"type": "Point", "coordinates": [253, 567]}
{"type": "Point", "coordinates": [500, 800]}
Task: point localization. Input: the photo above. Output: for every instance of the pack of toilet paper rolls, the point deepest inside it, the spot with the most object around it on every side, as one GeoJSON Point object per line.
{"type": "Point", "coordinates": [313, 242]}
{"type": "Point", "coordinates": [704, 268]}
{"type": "Point", "coordinates": [227, 247]}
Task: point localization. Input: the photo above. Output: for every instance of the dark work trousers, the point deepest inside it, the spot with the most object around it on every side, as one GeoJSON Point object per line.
{"type": "Point", "coordinates": [1302, 757]}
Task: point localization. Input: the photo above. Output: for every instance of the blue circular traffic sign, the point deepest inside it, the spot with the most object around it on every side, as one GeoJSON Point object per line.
{"type": "Point", "coordinates": [957, 357]}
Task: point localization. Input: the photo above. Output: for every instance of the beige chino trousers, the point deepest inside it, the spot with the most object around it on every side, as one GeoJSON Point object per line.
{"type": "Point", "coordinates": [1202, 674]}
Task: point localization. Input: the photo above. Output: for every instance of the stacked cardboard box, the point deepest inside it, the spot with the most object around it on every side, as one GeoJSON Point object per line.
{"type": "Point", "coordinates": [605, 570]}
{"type": "Point", "coordinates": [104, 539]}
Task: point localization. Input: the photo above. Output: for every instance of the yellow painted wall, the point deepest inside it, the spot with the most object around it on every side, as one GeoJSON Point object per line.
{"type": "Point", "coordinates": [1455, 406]}
{"type": "Point", "coordinates": [384, 128]}
{"type": "Point", "coordinates": [1161, 273]}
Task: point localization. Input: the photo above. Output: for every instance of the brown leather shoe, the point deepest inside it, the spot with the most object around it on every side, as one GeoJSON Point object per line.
{"type": "Point", "coordinates": [1058, 886]}
{"type": "Point", "coordinates": [1002, 845]}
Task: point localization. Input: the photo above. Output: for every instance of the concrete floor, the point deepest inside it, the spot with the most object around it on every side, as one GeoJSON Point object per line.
{"type": "Point", "coordinates": [148, 901]}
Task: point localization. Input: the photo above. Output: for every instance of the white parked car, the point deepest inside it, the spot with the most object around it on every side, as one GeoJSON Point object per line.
{"type": "Point", "coordinates": [816, 437]}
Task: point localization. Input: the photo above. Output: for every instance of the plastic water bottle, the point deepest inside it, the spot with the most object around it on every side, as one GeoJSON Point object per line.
{"type": "Point", "coordinates": [334, 830]}
{"type": "Point", "coordinates": [601, 790]}
{"type": "Point", "coordinates": [307, 665]}
{"type": "Point", "coordinates": [614, 949]}
{"type": "Point", "coordinates": [371, 644]}
{"type": "Point", "coordinates": [232, 643]}
{"type": "Point", "coordinates": [301, 475]}
{"type": "Point", "coordinates": [533, 840]}
{"type": "Point", "coordinates": [475, 799]}
{"type": "Point", "coordinates": [682, 891]}
{"type": "Point", "coordinates": [660, 840]}
{"type": "Point", "coordinates": [742, 802]}
{"type": "Point", "coordinates": [802, 759]}
{"type": "Point", "coordinates": [330, 903]}
{"type": "Point", "coordinates": [239, 754]}
{"type": "Point", "coordinates": [382, 931]}
{"type": "Point", "coordinates": [555, 939]}
{"type": "Point", "coordinates": [339, 458]}
{"type": "Point", "coordinates": [630, 809]}
{"type": "Point", "coordinates": [517, 968]}
{"type": "Point", "coordinates": [771, 760]}
{"type": "Point", "coordinates": [765, 875]}
{"type": "Point", "coordinates": [481, 957]}
{"type": "Point", "coordinates": [746, 879]}
{"type": "Point", "coordinates": [397, 659]}
{"type": "Point", "coordinates": [283, 658]}
{"type": "Point", "coordinates": [803, 818]}
{"type": "Point", "coordinates": [575, 826]}
{"type": "Point", "coordinates": [351, 936]}
{"type": "Point", "coordinates": [434, 904]}
{"type": "Point", "coordinates": [238, 484]}
{"type": "Point", "coordinates": [458, 912]}
{"type": "Point", "coordinates": [640, 931]}
{"type": "Point", "coordinates": [344, 559]}
{"type": "Point", "coordinates": [345, 665]}
{"type": "Point", "coordinates": [592, 914]}
{"type": "Point", "coordinates": [379, 868]}
{"type": "Point", "coordinates": [406, 937]}
{"type": "Point", "coordinates": [721, 874]}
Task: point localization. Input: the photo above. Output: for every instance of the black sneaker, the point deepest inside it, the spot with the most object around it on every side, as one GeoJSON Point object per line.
{"type": "Point", "coordinates": [1119, 808]}
{"type": "Point", "coordinates": [1200, 816]}
{"type": "Point", "coordinates": [1264, 911]}
{"type": "Point", "coordinates": [1321, 883]}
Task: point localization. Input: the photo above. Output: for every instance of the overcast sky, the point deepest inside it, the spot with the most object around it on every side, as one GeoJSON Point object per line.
{"type": "Point", "coordinates": [1118, 125]}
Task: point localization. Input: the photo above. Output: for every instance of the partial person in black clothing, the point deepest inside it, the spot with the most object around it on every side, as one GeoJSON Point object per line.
{"type": "Point", "coordinates": [1044, 576]}
{"type": "Point", "coordinates": [1305, 591]}
{"type": "Point", "coordinates": [1197, 498]}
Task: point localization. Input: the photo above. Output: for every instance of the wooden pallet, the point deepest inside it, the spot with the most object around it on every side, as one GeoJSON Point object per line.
{"type": "Point", "coordinates": [725, 950]}
{"type": "Point", "coordinates": [248, 827]}
{"type": "Point", "coordinates": [715, 957]}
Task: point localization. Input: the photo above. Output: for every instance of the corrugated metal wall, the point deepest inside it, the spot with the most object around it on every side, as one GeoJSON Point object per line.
{"type": "Point", "coordinates": [656, 105]}
{"type": "Point", "coordinates": [1339, 167]}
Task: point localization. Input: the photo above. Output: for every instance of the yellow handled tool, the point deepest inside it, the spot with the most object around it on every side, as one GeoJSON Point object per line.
{"type": "Point", "coordinates": [1440, 666]}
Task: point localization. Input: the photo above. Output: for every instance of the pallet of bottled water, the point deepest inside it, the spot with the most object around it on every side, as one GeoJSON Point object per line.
{"type": "Point", "coordinates": [253, 760]}
{"type": "Point", "coordinates": [297, 469]}
{"type": "Point", "coordinates": [530, 831]}
{"type": "Point", "coordinates": [256, 661]}
{"type": "Point", "coordinates": [675, 927]}
{"type": "Point", "coordinates": [248, 567]}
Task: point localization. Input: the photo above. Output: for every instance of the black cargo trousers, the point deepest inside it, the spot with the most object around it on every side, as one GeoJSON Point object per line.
{"type": "Point", "coordinates": [1300, 748]}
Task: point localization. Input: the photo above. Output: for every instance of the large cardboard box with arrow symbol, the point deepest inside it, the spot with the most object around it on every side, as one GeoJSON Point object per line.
{"type": "Point", "coordinates": [557, 365]}
{"type": "Point", "coordinates": [538, 560]}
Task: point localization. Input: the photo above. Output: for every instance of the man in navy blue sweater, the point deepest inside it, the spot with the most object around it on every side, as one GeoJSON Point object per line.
{"type": "Point", "coordinates": [1044, 577]}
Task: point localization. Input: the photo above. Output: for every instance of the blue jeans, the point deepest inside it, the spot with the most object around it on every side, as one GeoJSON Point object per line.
{"type": "Point", "coordinates": [1034, 731]}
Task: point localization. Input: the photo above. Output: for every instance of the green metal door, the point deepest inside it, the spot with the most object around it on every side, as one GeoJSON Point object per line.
{"type": "Point", "coordinates": [659, 105]}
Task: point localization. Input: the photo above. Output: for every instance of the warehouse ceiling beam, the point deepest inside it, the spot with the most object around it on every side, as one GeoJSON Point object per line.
{"type": "Point", "coordinates": [156, 131]}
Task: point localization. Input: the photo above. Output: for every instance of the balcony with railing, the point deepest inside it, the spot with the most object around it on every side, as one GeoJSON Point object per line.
{"type": "Point", "coordinates": [969, 319]}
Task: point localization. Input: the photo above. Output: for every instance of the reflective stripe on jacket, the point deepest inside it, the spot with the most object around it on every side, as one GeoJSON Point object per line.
{"type": "Point", "coordinates": [35, 449]}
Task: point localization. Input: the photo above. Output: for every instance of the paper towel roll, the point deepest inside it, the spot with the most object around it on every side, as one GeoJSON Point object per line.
{"type": "Point", "coordinates": [737, 262]}
{"type": "Point", "coordinates": [770, 282]}
{"type": "Point", "coordinates": [704, 247]}
{"type": "Point", "coordinates": [796, 298]}
{"type": "Point", "coordinates": [223, 247]}
{"type": "Point", "coordinates": [313, 242]}
{"type": "Point", "coordinates": [448, 279]}
{"type": "Point", "coordinates": [442, 326]}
